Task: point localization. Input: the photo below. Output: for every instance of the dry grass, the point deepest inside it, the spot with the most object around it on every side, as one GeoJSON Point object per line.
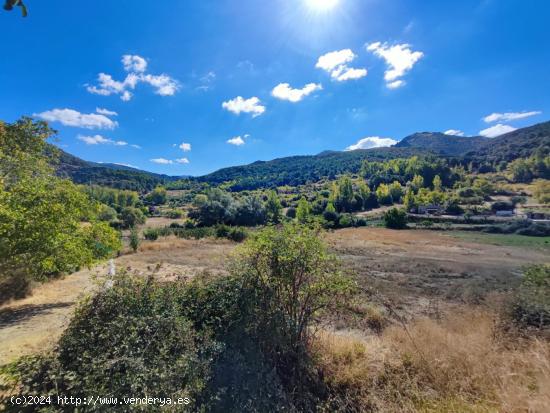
{"type": "Point", "coordinates": [456, 365]}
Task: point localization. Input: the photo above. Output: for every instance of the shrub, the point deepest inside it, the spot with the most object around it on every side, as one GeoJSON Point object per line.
{"type": "Point", "coordinates": [237, 234]}
{"type": "Point", "coordinates": [151, 234]}
{"type": "Point", "coordinates": [134, 239]}
{"type": "Point", "coordinates": [532, 306]}
{"type": "Point", "coordinates": [345, 221]}
{"type": "Point", "coordinates": [131, 217]}
{"type": "Point", "coordinates": [174, 214]}
{"type": "Point", "coordinates": [395, 218]}
{"type": "Point", "coordinates": [137, 342]}
{"type": "Point", "coordinates": [291, 212]}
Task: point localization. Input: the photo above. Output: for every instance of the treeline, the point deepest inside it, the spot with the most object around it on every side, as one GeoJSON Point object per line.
{"type": "Point", "coordinates": [48, 226]}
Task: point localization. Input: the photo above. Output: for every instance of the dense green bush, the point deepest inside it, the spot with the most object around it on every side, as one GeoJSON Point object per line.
{"type": "Point", "coordinates": [532, 306]}
{"type": "Point", "coordinates": [395, 218]}
{"type": "Point", "coordinates": [151, 234]}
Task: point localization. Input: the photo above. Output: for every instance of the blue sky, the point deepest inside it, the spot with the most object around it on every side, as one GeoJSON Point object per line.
{"type": "Point", "coordinates": [312, 75]}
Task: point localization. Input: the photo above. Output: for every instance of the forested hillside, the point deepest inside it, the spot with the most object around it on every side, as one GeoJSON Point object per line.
{"type": "Point", "coordinates": [442, 144]}
{"type": "Point", "coordinates": [112, 175]}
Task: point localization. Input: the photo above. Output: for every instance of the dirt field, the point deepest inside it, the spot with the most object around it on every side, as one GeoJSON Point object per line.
{"type": "Point", "coordinates": [425, 271]}
{"type": "Point", "coordinates": [419, 271]}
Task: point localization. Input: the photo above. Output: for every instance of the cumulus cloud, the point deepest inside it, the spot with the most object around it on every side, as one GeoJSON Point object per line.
{"type": "Point", "coordinates": [70, 117]}
{"type": "Point", "coordinates": [371, 142]}
{"type": "Point", "coordinates": [162, 161]}
{"type": "Point", "coordinates": [106, 112]}
{"type": "Point", "coordinates": [182, 160]}
{"type": "Point", "coordinates": [336, 64]}
{"type": "Point", "coordinates": [162, 84]}
{"type": "Point", "coordinates": [497, 130]}
{"type": "Point", "coordinates": [399, 58]}
{"type": "Point", "coordinates": [134, 63]}
{"type": "Point", "coordinates": [237, 141]}
{"type": "Point", "coordinates": [509, 116]}
{"type": "Point", "coordinates": [283, 91]}
{"type": "Point", "coordinates": [100, 140]}
{"type": "Point", "coordinates": [239, 104]}
{"type": "Point", "coordinates": [454, 132]}
{"type": "Point", "coordinates": [185, 147]}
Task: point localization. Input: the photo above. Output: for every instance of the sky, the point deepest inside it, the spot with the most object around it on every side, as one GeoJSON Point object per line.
{"type": "Point", "coordinates": [188, 87]}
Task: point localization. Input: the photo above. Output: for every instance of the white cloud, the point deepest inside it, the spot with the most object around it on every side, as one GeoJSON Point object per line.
{"type": "Point", "coordinates": [106, 112]}
{"type": "Point", "coordinates": [336, 64]}
{"type": "Point", "coordinates": [332, 60]}
{"type": "Point", "coordinates": [283, 91]}
{"type": "Point", "coordinates": [509, 116]}
{"type": "Point", "coordinates": [100, 140]}
{"type": "Point", "coordinates": [395, 84]}
{"type": "Point", "coordinates": [134, 63]}
{"type": "Point", "coordinates": [237, 141]}
{"type": "Point", "coordinates": [163, 84]}
{"type": "Point", "coordinates": [182, 160]}
{"type": "Point", "coordinates": [162, 161]}
{"type": "Point", "coordinates": [399, 58]}
{"type": "Point", "coordinates": [372, 142]}
{"type": "Point", "coordinates": [239, 104]}
{"type": "Point", "coordinates": [454, 132]}
{"type": "Point", "coordinates": [497, 130]}
{"type": "Point", "coordinates": [344, 73]}
{"type": "Point", "coordinates": [185, 147]}
{"type": "Point", "coordinates": [136, 146]}
{"type": "Point", "coordinates": [70, 117]}
{"type": "Point", "coordinates": [123, 164]}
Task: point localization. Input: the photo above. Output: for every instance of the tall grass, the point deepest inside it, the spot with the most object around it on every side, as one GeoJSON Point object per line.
{"type": "Point", "coordinates": [457, 365]}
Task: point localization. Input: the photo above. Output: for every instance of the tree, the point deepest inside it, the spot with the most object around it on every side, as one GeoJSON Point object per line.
{"type": "Point", "coordinates": [330, 213]}
{"type": "Point", "coordinates": [437, 184]}
{"type": "Point", "coordinates": [384, 195]}
{"type": "Point", "coordinates": [344, 198]}
{"type": "Point", "coordinates": [131, 217]}
{"type": "Point", "coordinates": [157, 196]}
{"type": "Point", "coordinates": [134, 239]}
{"type": "Point", "coordinates": [273, 207]}
{"type": "Point", "coordinates": [409, 200]}
{"type": "Point", "coordinates": [396, 191]}
{"type": "Point", "coordinates": [295, 278]}
{"type": "Point", "coordinates": [48, 226]}
{"type": "Point", "coordinates": [10, 4]}
{"type": "Point", "coordinates": [395, 219]}
{"type": "Point", "coordinates": [303, 212]}
{"type": "Point", "coordinates": [417, 183]}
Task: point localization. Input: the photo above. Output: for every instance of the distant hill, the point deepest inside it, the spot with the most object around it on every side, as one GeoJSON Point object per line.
{"type": "Point", "coordinates": [442, 144]}
{"type": "Point", "coordinates": [112, 175]}
{"type": "Point", "coordinates": [297, 170]}
{"type": "Point", "coordinates": [521, 143]}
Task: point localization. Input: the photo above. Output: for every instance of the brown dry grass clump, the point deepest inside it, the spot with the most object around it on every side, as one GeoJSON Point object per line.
{"type": "Point", "coordinates": [455, 365]}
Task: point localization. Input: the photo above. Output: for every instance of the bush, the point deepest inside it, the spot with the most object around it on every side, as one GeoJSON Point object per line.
{"type": "Point", "coordinates": [532, 306]}
{"type": "Point", "coordinates": [395, 218]}
{"type": "Point", "coordinates": [134, 240]}
{"type": "Point", "coordinates": [138, 342]}
{"type": "Point", "coordinates": [131, 217]}
{"type": "Point", "coordinates": [237, 234]}
{"type": "Point", "coordinates": [151, 234]}
{"type": "Point", "coordinates": [174, 214]}
{"type": "Point", "coordinates": [345, 221]}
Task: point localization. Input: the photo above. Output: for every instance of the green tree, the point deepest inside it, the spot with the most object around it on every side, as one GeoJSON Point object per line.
{"type": "Point", "coordinates": [383, 194]}
{"type": "Point", "coordinates": [296, 278]}
{"type": "Point", "coordinates": [417, 183]}
{"type": "Point", "coordinates": [395, 218]}
{"type": "Point", "coordinates": [134, 239]}
{"type": "Point", "coordinates": [157, 196]}
{"type": "Point", "coordinates": [131, 217]}
{"type": "Point", "coordinates": [273, 207]}
{"type": "Point", "coordinates": [344, 194]}
{"type": "Point", "coordinates": [47, 225]}
{"type": "Point", "coordinates": [437, 184]}
{"type": "Point", "coordinates": [303, 212]}
{"type": "Point", "coordinates": [396, 191]}
{"type": "Point", "coordinates": [410, 200]}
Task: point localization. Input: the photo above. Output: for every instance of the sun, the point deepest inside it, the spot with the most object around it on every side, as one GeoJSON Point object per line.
{"type": "Point", "coordinates": [322, 5]}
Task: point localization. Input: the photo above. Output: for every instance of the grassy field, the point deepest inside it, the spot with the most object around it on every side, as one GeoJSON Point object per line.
{"type": "Point", "coordinates": [506, 240]}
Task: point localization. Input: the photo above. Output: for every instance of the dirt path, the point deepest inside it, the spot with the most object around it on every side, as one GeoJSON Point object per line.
{"type": "Point", "coordinates": [35, 323]}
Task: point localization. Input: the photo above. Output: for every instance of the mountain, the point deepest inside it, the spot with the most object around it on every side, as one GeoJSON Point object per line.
{"type": "Point", "coordinates": [112, 175]}
{"type": "Point", "coordinates": [442, 144]}
{"type": "Point", "coordinates": [521, 143]}
{"type": "Point", "coordinates": [297, 170]}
